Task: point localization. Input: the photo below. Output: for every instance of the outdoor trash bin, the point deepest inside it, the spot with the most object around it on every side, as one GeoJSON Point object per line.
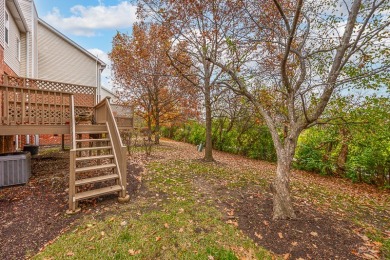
{"type": "Point", "coordinates": [33, 149]}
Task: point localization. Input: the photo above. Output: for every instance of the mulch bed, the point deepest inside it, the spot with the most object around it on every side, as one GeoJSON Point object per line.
{"type": "Point", "coordinates": [33, 215]}
{"type": "Point", "coordinates": [313, 235]}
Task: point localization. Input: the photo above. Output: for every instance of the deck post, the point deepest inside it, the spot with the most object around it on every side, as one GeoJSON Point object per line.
{"type": "Point", "coordinates": [123, 165]}
{"type": "Point", "coordinates": [72, 184]}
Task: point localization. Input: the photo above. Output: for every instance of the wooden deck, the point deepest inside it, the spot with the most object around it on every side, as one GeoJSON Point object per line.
{"type": "Point", "coordinates": [29, 106]}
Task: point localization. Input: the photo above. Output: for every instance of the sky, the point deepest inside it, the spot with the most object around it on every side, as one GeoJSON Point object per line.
{"type": "Point", "coordinates": [90, 23]}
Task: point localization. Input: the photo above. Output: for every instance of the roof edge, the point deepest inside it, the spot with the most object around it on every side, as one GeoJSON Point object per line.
{"type": "Point", "coordinates": [23, 23]}
{"type": "Point", "coordinates": [109, 91]}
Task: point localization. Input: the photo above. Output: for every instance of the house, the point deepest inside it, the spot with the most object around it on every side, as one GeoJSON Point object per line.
{"type": "Point", "coordinates": [105, 92]}
{"type": "Point", "coordinates": [47, 82]}
{"type": "Point", "coordinates": [33, 49]}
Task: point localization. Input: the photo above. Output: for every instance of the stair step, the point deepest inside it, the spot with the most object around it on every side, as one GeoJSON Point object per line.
{"type": "Point", "coordinates": [93, 140]}
{"type": "Point", "coordinates": [93, 148]}
{"type": "Point", "coordinates": [95, 167]}
{"type": "Point", "coordinates": [97, 192]}
{"type": "Point", "coordinates": [107, 156]}
{"type": "Point", "coordinates": [86, 128]}
{"type": "Point", "coordinates": [96, 179]}
{"type": "Point", "coordinates": [92, 132]}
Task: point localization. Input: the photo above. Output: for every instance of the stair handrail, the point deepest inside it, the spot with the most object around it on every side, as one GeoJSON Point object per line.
{"type": "Point", "coordinates": [72, 123]}
{"type": "Point", "coordinates": [104, 114]}
{"type": "Point", "coordinates": [72, 163]}
{"type": "Point", "coordinates": [116, 157]}
{"type": "Point", "coordinates": [116, 141]}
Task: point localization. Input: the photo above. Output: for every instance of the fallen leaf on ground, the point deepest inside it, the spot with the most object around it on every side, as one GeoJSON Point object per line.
{"type": "Point", "coordinates": [294, 243]}
{"type": "Point", "coordinates": [368, 256]}
{"type": "Point", "coordinates": [70, 253]}
{"type": "Point", "coordinates": [158, 238]}
{"type": "Point", "coordinates": [286, 256]}
{"type": "Point", "coordinates": [234, 223]}
{"type": "Point", "coordinates": [166, 225]}
{"type": "Point", "coordinates": [280, 235]}
{"type": "Point", "coordinates": [259, 236]}
{"type": "Point", "coordinates": [134, 252]}
{"type": "Point", "coordinates": [314, 234]}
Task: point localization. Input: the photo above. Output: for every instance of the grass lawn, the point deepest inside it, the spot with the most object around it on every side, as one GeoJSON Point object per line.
{"type": "Point", "coordinates": [187, 209]}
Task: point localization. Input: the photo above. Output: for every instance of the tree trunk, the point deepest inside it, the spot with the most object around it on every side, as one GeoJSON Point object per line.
{"type": "Point", "coordinates": [282, 202]}
{"type": "Point", "coordinates": [149, 129]}
{"type": "Point", "coordinates": [157, 129]}
{"type": "Point", "coordinates": [343, 155]}
{"type": "Point", "coordinates": [208, 156]}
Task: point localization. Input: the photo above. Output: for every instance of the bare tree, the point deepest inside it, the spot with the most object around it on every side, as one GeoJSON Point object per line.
{"type": "Point", "coordinates": [296, 55]}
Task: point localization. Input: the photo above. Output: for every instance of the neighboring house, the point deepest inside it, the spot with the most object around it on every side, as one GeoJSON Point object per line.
{"type": "Point", "coordinates": [108, 93]}
{"type": "Point", "coordinates": [31, 48]}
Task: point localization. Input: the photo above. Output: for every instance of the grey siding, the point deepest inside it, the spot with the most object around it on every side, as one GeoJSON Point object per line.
{"type": "Point", "coordinates": [58, 60]}
{"type": "Point", "coordinates": [10, 50]}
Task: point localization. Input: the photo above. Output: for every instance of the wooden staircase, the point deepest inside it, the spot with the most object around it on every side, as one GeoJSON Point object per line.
{"type": "Point", "coordinates": [97, 159]}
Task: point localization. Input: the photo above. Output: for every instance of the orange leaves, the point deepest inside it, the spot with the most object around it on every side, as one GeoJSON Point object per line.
{"type": "Point", "coordinates": [147, 78]}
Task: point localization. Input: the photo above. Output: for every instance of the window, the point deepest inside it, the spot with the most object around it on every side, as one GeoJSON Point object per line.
{"type": "Point", "coordinates": [6, 25]}
{"type": "Point", "coordinates": [18, 49]}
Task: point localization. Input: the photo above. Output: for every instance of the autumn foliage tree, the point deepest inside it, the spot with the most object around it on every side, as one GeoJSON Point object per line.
{"type": "Point", "coordinates": [146, 78]}
{"type": "Point", "coordinates": [198, 29]}
{"type": "Point", "coordinates": [288, 58]}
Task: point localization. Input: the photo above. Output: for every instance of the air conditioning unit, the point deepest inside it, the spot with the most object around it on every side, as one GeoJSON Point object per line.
{"type": "Point", "coordinates": [15, 168]}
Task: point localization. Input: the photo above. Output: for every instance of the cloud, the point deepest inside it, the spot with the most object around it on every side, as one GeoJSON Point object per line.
{"type": "Point", "coordinates": [106, 74]}
{"type": "Point", "coordinates": [86, 20]}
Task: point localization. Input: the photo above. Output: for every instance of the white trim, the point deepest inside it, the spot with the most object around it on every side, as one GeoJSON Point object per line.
{"type": "Point", "coordinates": [6, 27]}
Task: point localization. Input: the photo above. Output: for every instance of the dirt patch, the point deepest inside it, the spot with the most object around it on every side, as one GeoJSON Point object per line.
{"type": "Point", "coordinates": [312, 235]}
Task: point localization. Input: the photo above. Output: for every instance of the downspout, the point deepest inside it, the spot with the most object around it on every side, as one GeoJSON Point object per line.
{"type": "Point", "coordinates": [27, 70]}
{"type": "Point", "coordinates": [97, 81]}
{"type": "Point", "coordinates": [33, 28]}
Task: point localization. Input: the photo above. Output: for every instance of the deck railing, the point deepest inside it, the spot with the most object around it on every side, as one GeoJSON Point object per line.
{"type": "Point", "coordinates": [123, 116]}
{"type": "Point", "coordinates": [84, 96]}
{"type": "Point", "coordinates": [31, 106]}
{"type": "Point", "coordinates": [104, 115]}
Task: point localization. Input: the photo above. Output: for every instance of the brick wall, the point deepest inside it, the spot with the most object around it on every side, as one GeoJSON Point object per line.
{"type": "Point", "coordinates": [7, 143]}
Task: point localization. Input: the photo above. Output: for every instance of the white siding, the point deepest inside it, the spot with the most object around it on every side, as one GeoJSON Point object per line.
{"type": "Point", "coordinates": [23, 55]}
{"type": "Point", "coordinates": [10, 50]}
{"type": "Point", "coordinates": [2, 10]}
{"type": "Point", "coordinates": [105, 93]}
{"type": "Point", "coordinates": [29, 13]}
{"type": "Point", "coordinates": [60, 61]}
{"type": "Point", "coordinates": [35, 45]}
